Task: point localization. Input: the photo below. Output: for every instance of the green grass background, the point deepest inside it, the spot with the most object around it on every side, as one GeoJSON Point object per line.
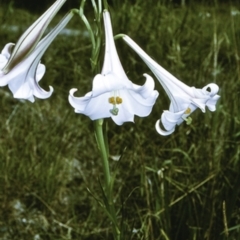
{"type": "Point", "coordinates": [184, 186]}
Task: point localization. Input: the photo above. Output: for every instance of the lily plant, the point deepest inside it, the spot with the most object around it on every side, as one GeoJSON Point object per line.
{"type": "Point", "coordinates": [184, 99]}
{"type": "Point", "coordinates": [20, 66]}
{"type": "Point", "coordinates": [113, 94]}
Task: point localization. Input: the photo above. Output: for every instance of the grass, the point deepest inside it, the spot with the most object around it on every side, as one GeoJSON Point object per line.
{"type": "Point", "coordinates": [185, 186]}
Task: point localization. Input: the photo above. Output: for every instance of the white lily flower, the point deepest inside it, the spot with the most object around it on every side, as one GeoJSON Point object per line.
{"type": "Point", "coordinates": [31, 36]}
{"type": "Point", "coordinates": [20, 65]}
{"type": "Point", "coordinates": [184, 99]}
{"type": "Point", "coordinates": [113, 94]}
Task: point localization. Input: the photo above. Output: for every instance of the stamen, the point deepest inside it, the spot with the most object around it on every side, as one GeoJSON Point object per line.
{"type": "Point", "coordinates": [119, 100]}
{"type": "Point", "coordinates": [188, 111]}
{"type": "Point", "coordinates": [114, 101]}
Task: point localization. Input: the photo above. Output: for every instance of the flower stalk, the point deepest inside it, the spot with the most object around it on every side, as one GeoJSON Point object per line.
{"type": "Point", "coordinates": [96, 41]}
{"type": "Point", "coordinates": [98, 126]}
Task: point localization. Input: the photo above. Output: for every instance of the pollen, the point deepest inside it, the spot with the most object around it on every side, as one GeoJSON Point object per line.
{"type": "Point", "coordinates": [115, 100]}
{"type": "Point", "coordinates": [112, 100]}
{"type": "Point", "coordinates": [188, 111]}
{"type": "Point", "coordinates": [119, 100]}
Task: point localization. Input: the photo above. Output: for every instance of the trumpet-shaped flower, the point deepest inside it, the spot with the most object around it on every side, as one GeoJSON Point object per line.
{"type": "Point", "coordinates": [113, 94]}
{"type": "Point", "coordinates": [184, 99]}
{"type": "Point", "coordinates": [31, 36]}
{"type": "Point", "coordinates": [20, 66]}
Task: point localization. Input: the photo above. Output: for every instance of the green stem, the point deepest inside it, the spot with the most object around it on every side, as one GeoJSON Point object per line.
{"type": "Point", "coordinates": [98, 124]}
{"type": "Point", "coordinates": [95, 8]}
{"type": "Point", "coordinates": [120, 35]}
{"type": "Point", "coordinates": [81, 14]}
{"type": "Point", "coordinates": [100, 6]}
{"type": "Point", "coordinates": [105, 4]}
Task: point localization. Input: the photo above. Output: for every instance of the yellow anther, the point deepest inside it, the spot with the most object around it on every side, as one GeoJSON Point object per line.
{"type": "Point", "coordinates": [119, 100]}
{"type": "Point", "coordinates": [115, 100]}
{"type": "Point", "coordinates": [188, 111]}
{"type": "Point", "coordinates": [112, 100]}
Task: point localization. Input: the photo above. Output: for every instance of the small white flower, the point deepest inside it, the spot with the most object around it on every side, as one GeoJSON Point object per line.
{"type": "Point", "coordinates": [184, 99]}
{"type": "Point", "coordinates": [113, 94]}
{"type": "Point", "coordinates": [20, 66]}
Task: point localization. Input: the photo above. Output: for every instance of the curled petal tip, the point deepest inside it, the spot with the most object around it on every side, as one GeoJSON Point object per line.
{"type": "Point", "coordinates": [211, 89]}
{"type": "Point", "coordinates": [72, 91]}
{"type": "Point", "coordinates": [149, 79]}
{"type": "Point", "coordinates": [51, 90]}
{"type": "Point", "coordinates": [161, 131]}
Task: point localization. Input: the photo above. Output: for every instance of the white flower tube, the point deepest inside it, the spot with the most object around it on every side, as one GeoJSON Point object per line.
{"type": "Point", "coordinates": [184, 99]}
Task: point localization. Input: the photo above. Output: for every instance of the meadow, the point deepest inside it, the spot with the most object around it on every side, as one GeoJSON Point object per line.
{"type": "Point", "coordinates": [183, 186]}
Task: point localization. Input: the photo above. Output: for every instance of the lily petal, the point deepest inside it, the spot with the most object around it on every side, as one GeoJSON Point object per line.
{"type": "Point", "coordinates": [5, 54]}
{"type": "Point", "coordinates": [169, 120]}
{"type": "Point", "coordinates": [184, 99]}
